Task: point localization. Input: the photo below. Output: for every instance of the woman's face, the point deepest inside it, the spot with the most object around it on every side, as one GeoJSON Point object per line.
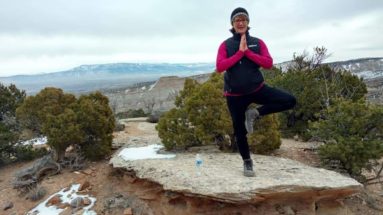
{"type": "Point", "coordinates": [240, 24]}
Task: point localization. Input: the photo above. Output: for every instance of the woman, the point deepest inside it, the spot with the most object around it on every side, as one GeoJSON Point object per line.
{"type": "Point", "coordinates": [241, 56]}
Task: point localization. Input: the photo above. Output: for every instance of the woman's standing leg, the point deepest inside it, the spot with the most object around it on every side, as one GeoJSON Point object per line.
{"type": "Point", "coordinates": [237, 106]}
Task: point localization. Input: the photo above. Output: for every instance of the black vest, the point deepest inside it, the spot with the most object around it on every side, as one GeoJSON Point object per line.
{"type": "Point", "coordinates": [244, 77]}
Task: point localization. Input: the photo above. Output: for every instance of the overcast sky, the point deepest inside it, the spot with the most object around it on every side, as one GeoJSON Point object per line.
{"type": "Point", "coordinates": [43, 36]}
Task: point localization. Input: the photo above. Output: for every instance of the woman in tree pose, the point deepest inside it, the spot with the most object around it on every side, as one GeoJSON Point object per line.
{"type": "Point", "coordinates": [241, 56]}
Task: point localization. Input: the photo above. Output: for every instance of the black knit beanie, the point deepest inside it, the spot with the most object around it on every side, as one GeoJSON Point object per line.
{"type": "Point", "coordinates": [239, 11]}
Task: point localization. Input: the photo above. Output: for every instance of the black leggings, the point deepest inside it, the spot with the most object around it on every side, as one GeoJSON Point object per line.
{"type": "Point", "coordinates": [272, 100]}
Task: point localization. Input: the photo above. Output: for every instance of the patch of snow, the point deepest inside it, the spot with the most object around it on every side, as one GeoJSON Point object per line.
{"type": "Point", "coordinates": [143, 88]}
{"type": "Point", "coordinates": [147, 152]}
{"type": "Point", "coordinates": [152, 86]}
{"type": "Point", "coordinates": [66, 197]}
{"type": "Point", "coordinates": [369, 74]}
{"type": "Point", "coordinates": [35, 141]}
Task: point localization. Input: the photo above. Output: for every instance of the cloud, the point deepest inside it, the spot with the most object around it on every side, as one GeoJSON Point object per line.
{"type": "Point", "coordinates": [40, 54]}
{"type": "Point", "coordinates": [45, 36]}
{"type": "Point", "coordinates": [353, 37]}
{"type": "Point", "coordinates": [107, 18]}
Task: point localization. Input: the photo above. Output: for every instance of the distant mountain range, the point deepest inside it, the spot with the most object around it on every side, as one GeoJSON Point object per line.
{"type": "Point", "coordinates": [87, 78]}
{"type": "Point", "coordinates": [366, 68]}
{"type": "Point", "coordinates": [118, 75]}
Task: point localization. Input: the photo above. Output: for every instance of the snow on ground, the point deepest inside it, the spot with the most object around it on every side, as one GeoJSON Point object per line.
{"type": "Point", "coordinates": [369, 74]}
{"type": "Point", "coordinates": [35, 141]}
{"type": "Point", "coordinates": [147, 152]}
{"type": "Point", "coordinates": [66, 197]}
{"type": "Point", "coordinates": [152, 86]}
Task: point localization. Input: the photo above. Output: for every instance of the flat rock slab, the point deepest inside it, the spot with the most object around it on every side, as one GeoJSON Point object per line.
{"type": "Point", "coordinates": [221, 177]}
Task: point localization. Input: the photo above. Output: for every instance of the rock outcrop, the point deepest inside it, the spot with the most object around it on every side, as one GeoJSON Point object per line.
{"type": "Point", "coordinates": [159, 96]}
{"type": "Point", "coordinates": [281, 186]}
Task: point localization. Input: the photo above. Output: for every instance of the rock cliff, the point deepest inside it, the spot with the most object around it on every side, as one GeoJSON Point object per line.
{"type": "Point", "coordinates": [158, 96]}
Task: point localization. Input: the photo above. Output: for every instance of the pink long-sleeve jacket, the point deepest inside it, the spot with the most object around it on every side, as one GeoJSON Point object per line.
{"type": "Point", "coordinates": [223, 63]}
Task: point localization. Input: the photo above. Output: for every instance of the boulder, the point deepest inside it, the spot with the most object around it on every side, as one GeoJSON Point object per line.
{"type": "Point", "coordinates": [55, 200]}
{"type": "Point", "coordinates": [128, 211]}
{"type": "Point", "coordinates": [84, 185]}
{"type": "Point", "coordinates": [7, 205]}
{"type": "Point", "coordinates": [78, 202]}
{"type": "Point", "coordinates": [280, 186]}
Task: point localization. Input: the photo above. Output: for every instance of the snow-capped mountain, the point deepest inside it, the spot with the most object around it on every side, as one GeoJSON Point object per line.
{"type": "Point", "coordinates": [100, 76]}
{"type": "Point", "coordinates": [366, 68]}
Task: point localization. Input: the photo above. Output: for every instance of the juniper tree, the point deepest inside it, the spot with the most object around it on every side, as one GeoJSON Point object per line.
{"type": "Point", "coordinates": [96, 121]}
{"type": "Point", "coordinates": [176, 131]}
{"type": "Point", "coordinates": [174, 127]}
{"type": "Point", "coordinates": [65, 120]}
{"type": "Point", "coordinates": [316, 87]}
{"type": "Point", "coordinates": [207, 111]}
{"type": "Point", "coordinates": [353, 133]}
{"type": "Point", "coordinates": [201, 117]}
{"type": "Point", "coordinates": [49, 102]}
{"type": "Point", "coordinates": [10, 98]}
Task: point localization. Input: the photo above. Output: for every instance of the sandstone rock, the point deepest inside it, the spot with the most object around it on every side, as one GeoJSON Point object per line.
{"type": "Point", "coordinates": [87, 171]}
{"type": "Point", "coordinates": [36, 212]}
{"type": "Point", "coordinates": [84, 186]}
{"type": "Point", "coordinates": [148, 194]}
{"type": "Point", "coordinates": [67, 211]}
{"type": "Point", "coordinates": [130, 179]}
{"type": "Point", "coordinates": [78, 211]}
{"type": "Point", "coordinates": [128, 211]}
{"type": "Point", "coordinates": [204, 149]}
{"type": "Point", "coordinates": [63, 205]}
{"type": "Point", "coordinates": [87, 201]}
{"type": "Point", "coordinates": [330, 207]}
{"type": "Point", "coordinates": [77, 202]}
{"type": "Point", "coordinates": [280, 184]}
{"type": "Point", "coordinates": [7, 205]}
{"type": "Point", "coordinates": [66, 189]}
{"type": "Point", "coordinates": [116, 144]}
{"type": "Point", "coordinates": [55, 200]}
